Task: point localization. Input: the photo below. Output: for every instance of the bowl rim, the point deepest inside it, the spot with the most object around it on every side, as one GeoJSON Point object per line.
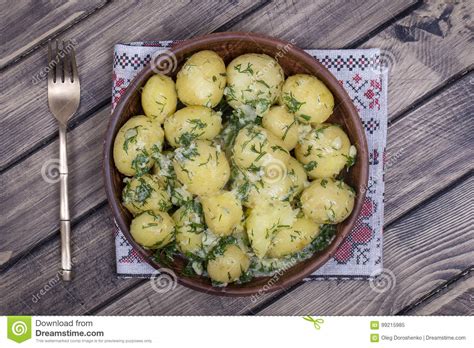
{"type": "Point", "coordinates": [333, 84]}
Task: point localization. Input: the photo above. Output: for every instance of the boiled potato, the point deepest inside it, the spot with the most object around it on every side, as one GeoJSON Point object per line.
{"type": "Point", "coordinates": [202, 79]}
{"type": "Point", "coordinates": [264, 221]}
{"type": "Point", "coordinates": [254, 83]}
{"type": "Point", "coordinates": [135, 143]}
{"type": "Point", "coordinates": [281, 123]}
{"type": "Point", "coordinates": [222, 211]}
{"type": "Point", "coordinates": [256, 147]}
{"type": "Point", "coordinates": [308, 98]}
{"type": "Point", "coordinates": [229, 265]}
{"type": "Point", "coordinates": [189, 227]}
{"type": "Point", "coordinates": [202, 167]}
{"type": "Point", "coordinates": [146, 192]}
{"type": "Point", "coordinates": [324, 151]}
{"type": "Point", "coordinates": [297, 175]}
{"type": "Point", "coordinates": [327, 201]}
{"type": "Point", "coordinates": [291, 240]}
{"type": "Point", "coordinates": [192, 122]}
{"type": "Point", "coordinates": [159, 98]}
{"type": "Point", "coordinates": [152, 229]}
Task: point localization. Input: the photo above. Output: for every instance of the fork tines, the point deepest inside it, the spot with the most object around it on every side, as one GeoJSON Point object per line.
{"type": "Point", "coordinates": [61, 62]}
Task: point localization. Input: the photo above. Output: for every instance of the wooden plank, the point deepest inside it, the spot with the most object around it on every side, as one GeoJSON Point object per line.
{"type": "Point", "coordinates": [37, 193]}
{"type": "Point", "coordinates": [33, 286]}
{"type": "Point", "coordinates": [27, 24]}
{"type": "Point", "coordinates": [29, 118]}
{"type": "Point", "coordinates": [422, 251]}
{"type": "Point", "coordinates": [321, 24]}
{"type": "Point", "coordinates": [428, 150]}
{"type": "Point", "coordinates": [423, 50]}
{"type": "Point", "coordinates": [457, 299]}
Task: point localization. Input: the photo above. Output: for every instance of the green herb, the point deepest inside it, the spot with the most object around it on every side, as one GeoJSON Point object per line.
{"type": "Point", "coordinates": [165, 256]}
{"type": "Point", "coordinates": [310, 166]}
{"type": "Point", "coordinates": [221, 247]}
{"type": "Point", "coordinates": [305, 117]}
{"type": "Point", "coordinates": [248, 69]}
{"type": "Point", "coordinates": [325, 237]}
{"type": "Point", "coordinates": [324, 182]}
{"type": "Point", "coordinates": [263, 83]}
{"type": "Point", "coordinates": [292, 104]}
{"type": "Point", "coordinates": [287, 128]}
{"type": "Point", "coordinates": [140, 163]}
{"type": "Point", "coordinates": [130, 137]}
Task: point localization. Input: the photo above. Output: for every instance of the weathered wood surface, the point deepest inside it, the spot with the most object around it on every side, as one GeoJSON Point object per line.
{"type": "Point", "coordinates": [27, 24]}
{"type": "Point", "coordinates": [425, 50]}
{"type": "Point", "coordinates": [417, 172]}
{"type": "Point", "coordinates": [456, 299]}
{"type": "Point", "coordinates": [121, 21]}
{"type": "Point", "coordinates": [130, 21]}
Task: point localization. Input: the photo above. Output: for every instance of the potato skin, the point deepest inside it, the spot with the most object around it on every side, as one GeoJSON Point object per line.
{"type": "Point", "coordinates": [202, 167]}
{"type": "Point", "coordinates": [327, 201]}
{"type": "Point", "coordinates": [291, 240]}
{"type": "Point", "coordinates": [159, 97]}
{"type": "Point", "coordinates": [135, 143]}
{"type": "Point", "coordinates": [146, 192]}
{"type": "Point", "coordinates": [189, 230]}
{"type": "Point", "coordinates": [222, 212]}
{"type": "Point", "coordinates": [192, 122]}
{"type": "Point", "coordinates": [202, 79]}
{"type": "Point", "coordinates": [229, 266]}
{"type": "Point", "coordinates": [325, 150]}
{"type": "Point", "coordinates": [264, 221]}
{"type": "Point", "coordinates": [255, 147]}
{"type": "Point", "coordinates": [297, 175]}
{"type": "Point", "coordinates": [282, 124]}
{"type": "Point", "coordinates": [152, 229]}
{"type": "Point", "coordinates": [253, 83]}
{"type": "Point", "coordinates": [308, 98]}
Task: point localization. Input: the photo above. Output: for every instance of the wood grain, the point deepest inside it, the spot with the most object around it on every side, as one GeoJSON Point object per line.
{"type": "Point", "coordinates": [422, 250]}
{"type": "Point", "coordinates": [429, 148]}
{"type": "Point", "coordinates": [34, 286]}
{"type": "Point", "coordinates": [123, 21]}
{"type": "Point", "coordinates": [457, 299]}
{"type": "Point", "coordinates": [28, 24]}
{"type": "Point", "coordinates": [425, 50]}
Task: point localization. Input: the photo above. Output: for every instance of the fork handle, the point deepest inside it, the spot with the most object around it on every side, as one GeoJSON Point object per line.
{"type": "Point", "coordinates": [65, 228]}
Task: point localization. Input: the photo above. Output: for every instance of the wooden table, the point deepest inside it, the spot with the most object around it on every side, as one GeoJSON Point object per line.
{"type": "Point", "coordinates": [429, 235]}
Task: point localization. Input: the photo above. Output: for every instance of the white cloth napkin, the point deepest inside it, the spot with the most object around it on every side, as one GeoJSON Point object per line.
{"type": "Point", "coordinates": [361, 73]}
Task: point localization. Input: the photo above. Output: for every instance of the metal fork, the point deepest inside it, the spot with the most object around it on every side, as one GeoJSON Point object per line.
{"type": "Point", "coordinates": [64, 93]}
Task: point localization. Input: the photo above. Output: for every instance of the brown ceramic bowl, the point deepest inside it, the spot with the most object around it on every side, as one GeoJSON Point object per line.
{"type": "Point", "coordinates": [293, 60]}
